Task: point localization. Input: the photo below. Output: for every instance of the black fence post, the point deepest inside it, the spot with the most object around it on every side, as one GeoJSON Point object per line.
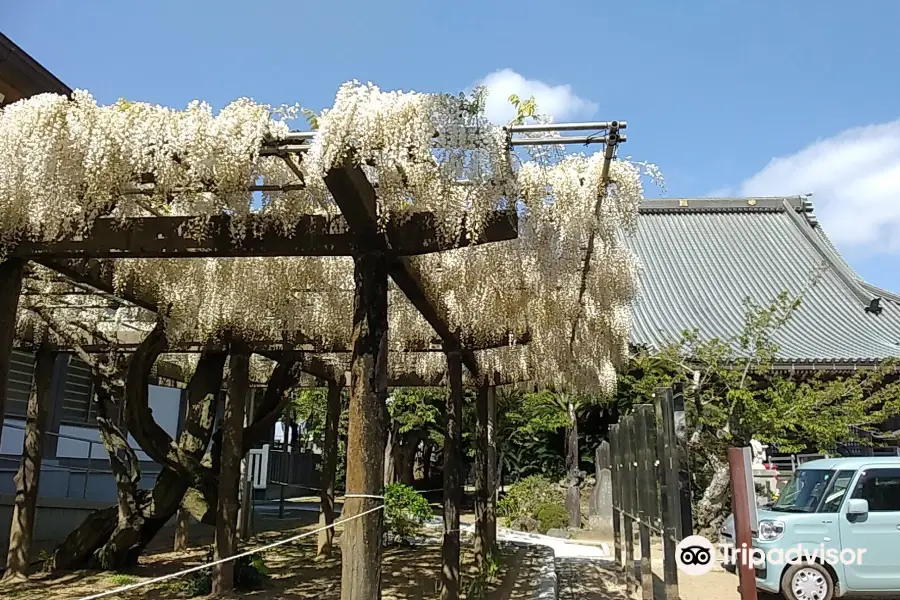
{"type": "Point", "coordinates": [646, 482]}
{"type": "Point", "coordinates": [670, 500]}
{"type": "Point", "coordinates": [628, 493]}
{"type": "Point", "coordinates": [686, 522]}
{"type": "Point", "coordinates": [616, 476]}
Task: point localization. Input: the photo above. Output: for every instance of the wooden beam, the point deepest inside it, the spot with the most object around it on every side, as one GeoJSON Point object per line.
{"type": "Point", "coordinates": [298, 342]}
{"type": "Point", "coordinates": [314, 235]}
{"type": "Point", "coordinates": [356, 198]}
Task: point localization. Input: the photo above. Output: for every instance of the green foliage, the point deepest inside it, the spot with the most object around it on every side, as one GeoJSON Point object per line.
{"type": "Point", "coordinates": [250, 573]}
{"type": "Point", "coordinates": [733, 393]}
{"type": "Point", "coordinates": [478, 586]}
{"type": "Point", "coordinates": [418, 410]}
{"type": "Point", "coordinates": [121, 579]}
{"type": "Point", "coordinates": [524, 109]}
{"type": "Point", "coordinates": [551, 515]}
{"type": "Point", "coordinates": [311, 118]}
{"type": "Point", "coordinates": [527, 496]}
{"type": "Point", "coordinates": [405, 510]}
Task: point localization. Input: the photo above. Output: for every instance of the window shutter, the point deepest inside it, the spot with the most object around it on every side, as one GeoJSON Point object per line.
{"type": "Point", "coordinates": [21, 372]}
{"type": "Point", "coordinates": [77, 394]}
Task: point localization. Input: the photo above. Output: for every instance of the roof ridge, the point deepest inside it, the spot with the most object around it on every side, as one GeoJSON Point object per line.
{"type": "Point", "coordinates": [848, 277]}
{"type": "Point", "coordinates": [735, 204]}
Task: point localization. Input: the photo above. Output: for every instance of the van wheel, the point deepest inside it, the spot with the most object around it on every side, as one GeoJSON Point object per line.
{"type": "Point", "coordinates": [807, 581]}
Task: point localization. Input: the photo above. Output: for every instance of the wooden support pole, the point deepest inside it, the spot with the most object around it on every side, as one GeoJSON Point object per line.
{"type": "Point", "coordinates": [645, 478]}
{"type": "Point", "coordinates": [28, 477]}
{"type": "Point", "coordinates": [329, 467]}
{"type": "Point", "coordinates": [616, 475]}
{"type": "Point", "coordinates": [669, 498]}
{"type": "Point", "coordinates": [230, 470]}
{"type": "Point", "coordinates": [743, 536]}
{"type": "Point", "coordinates": [246, 474]}
{"type": "Point", "coordinates": [362, 537]}
{"type": "Point", "coordinates": [11, 272]}
{"type": "Point", "coordinates": [482, 483]}
{"type": "Point", "coordinates": [452, 479]}
{"type": "Point", "coordinates": [490, 517]}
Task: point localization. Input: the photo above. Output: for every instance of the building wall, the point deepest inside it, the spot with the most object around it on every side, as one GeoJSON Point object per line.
{"type": "Point", "coordinates": [75, 463]}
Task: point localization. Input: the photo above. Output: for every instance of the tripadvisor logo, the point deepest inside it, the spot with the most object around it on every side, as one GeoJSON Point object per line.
{"type": "Point", "coordinates": [696, 555]}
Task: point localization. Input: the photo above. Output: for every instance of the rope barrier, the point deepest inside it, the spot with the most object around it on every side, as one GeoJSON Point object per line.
{"type": "Point", "coordinates": [128, 588]}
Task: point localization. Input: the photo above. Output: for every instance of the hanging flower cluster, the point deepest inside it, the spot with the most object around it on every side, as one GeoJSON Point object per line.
{"type": "Point", "coordinates": [65, 163]}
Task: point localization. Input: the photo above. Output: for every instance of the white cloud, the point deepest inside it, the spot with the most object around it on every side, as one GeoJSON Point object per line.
{"type": "Point", "coordinates": [855, 180]}
{"type": "Point", "coordinates": [557, 100]}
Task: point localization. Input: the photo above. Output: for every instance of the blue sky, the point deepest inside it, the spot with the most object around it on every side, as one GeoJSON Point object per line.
{"type": "Point", "coordinates": [727, 97]}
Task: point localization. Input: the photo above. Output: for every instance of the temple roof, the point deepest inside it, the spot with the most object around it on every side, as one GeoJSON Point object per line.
{"type": "Point", "coordinates": [702, 257]}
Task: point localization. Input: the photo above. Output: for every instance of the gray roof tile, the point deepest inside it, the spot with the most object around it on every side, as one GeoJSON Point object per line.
{"type": "Point", "coordinates": [702, 257]}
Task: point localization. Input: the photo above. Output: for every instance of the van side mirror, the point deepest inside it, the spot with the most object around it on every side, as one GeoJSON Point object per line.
{"type": "Point", "coordinates": [857, 507]}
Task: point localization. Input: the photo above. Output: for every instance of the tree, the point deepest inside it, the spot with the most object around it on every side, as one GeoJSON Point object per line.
{"type": "Point", "coordinates": [735, 395]}
{"type": "Point", "coordinates": [416, 418]}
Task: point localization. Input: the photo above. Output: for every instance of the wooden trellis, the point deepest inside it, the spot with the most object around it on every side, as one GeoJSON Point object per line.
{"type": "Point", "coordinates": [379, 254]}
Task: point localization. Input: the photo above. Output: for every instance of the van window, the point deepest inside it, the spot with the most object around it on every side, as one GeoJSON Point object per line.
{"type": "Point", "coordinates": [880, 488]}
{"type": "Point", "coordinates": [835, 494]}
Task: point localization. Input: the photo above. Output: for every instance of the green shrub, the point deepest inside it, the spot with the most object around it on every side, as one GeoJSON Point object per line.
{"type": "Point", "coordinates": [525, 497]}
{"type": "Point", "coordinates": [551, 515]}
{"type": "Point", "coordinates": [122, 579]}
{"type": "Point", "coordinates": [250, 572]}
{"type": "Point", "coordinates": [405, 510]}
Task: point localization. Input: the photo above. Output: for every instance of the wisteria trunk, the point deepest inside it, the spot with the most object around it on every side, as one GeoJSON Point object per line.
{"type": "Point", "coordinates": [82, 547]}
{"type": "Point", "coordinates": [573, 491]}
{"type": "Point", "coordinates": [362, 536]}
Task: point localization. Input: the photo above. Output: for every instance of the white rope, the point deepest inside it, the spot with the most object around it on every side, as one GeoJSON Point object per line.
{"type": "Point", "coordinates": [224, 560]}
{"type": "Point", "coordinates": [373, 497]}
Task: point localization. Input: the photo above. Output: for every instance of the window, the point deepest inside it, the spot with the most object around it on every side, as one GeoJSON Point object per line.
{"type": "Point", "coordinates": [835, 495]}
{"type": "Point", "coordinates": [881, 488]}
{"type": "Point", "coordinates": [21, 372]}
{"type": "Point", "coordinates": [77, 395]}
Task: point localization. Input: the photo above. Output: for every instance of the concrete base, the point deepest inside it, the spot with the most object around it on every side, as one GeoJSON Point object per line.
{"type": "Point", "coordinates": [56, 517]}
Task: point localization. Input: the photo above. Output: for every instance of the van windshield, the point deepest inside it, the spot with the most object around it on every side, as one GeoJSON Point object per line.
{"type": "Point", "coordinates": [804, 491]}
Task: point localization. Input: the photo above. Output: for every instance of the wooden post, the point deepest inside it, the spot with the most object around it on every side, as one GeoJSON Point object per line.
{"type": "Point", "coordinates": [493, 472]}
{"type": "Point", "coordinates": [743, 541]}
{"type": "Point", "coordinates": [482, 483]}
{"type": "Point", "coordinates": [361, 538]}
{"type": "Point", "coordinates": [246, 474]}
{"type": "Point", "coordinates": [230, 470]}
{"type": "Point", "coordinates": [645, 479]}
{"type": "Point", "coordinates": [28, 477]}
{"type": "Point", "coordinates": [11, 272]}
{"type": "Point", "coordinates": [452, 479]}
{"type": "Point", "coordinates": [616, 476]}
{"type": "Point", "coordinates": [329, 467]}
{"type": "Point", "coordinates": [669, 498]}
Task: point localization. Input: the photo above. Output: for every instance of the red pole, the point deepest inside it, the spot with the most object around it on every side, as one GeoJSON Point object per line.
{"type": "Point", "coordinates": [740, 504]}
